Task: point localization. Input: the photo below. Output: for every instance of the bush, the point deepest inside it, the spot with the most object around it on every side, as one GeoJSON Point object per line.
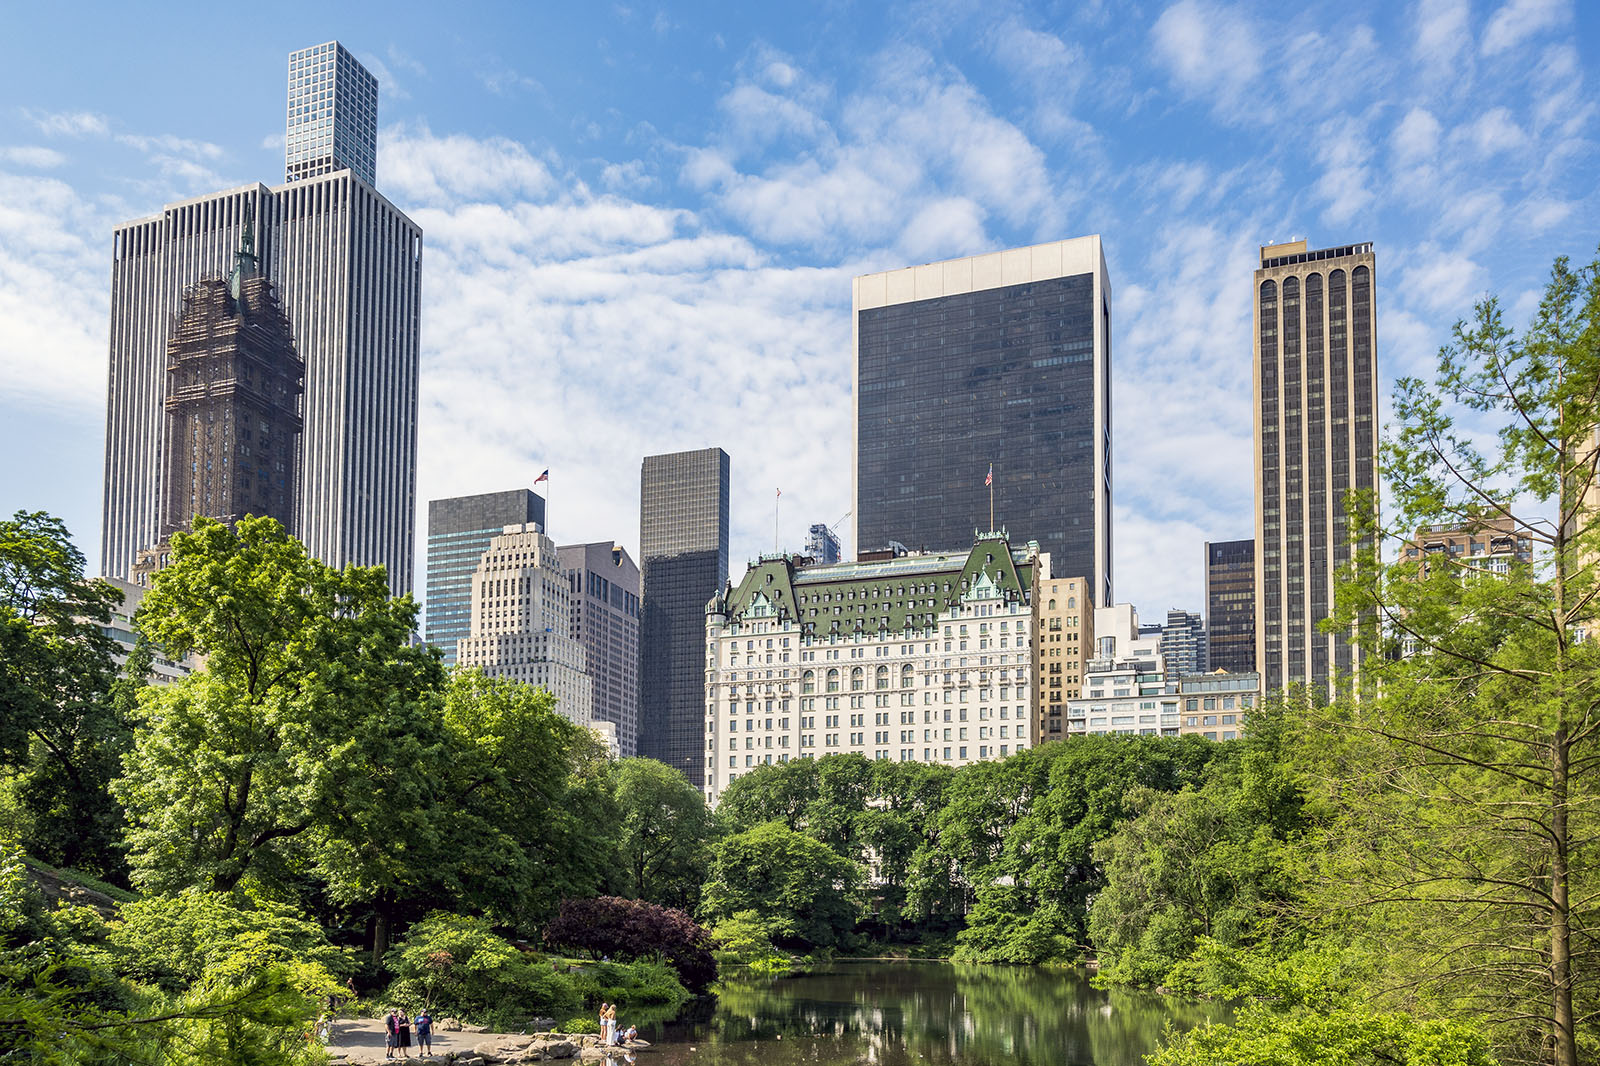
{"type": "Point", "coordinates": [631, 929]}
{"type": "Point", "coordinates": [580, 1024]}
{"type": "Point", "coordinates": [457, 965]}
{"type": "Point", "coordinates": [745, 941]}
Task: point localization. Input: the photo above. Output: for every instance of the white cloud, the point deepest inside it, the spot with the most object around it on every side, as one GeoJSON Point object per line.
{"type": "Point", "coordinates": [33, 156]}
{"type": "Point", "coordinates": [1211, 50]}
{"type": "Point", "coordinates": [1443, 37]}
{"type": "Point", "coordinates": [69, 123]}
{"type": "Point", "coordinates": [1416, 138]}
{"type": "Point", "coordinates": [1494, 131]}
{"type": "Point", "coordinates": [1442, 280]}
{"type": "Point", "coordinates": [417, 167]}
{"type": "Point", "coordinates": [1518, 20]}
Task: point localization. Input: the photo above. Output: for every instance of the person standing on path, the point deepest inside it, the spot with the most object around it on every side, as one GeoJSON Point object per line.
{"type": "Point", "coordinates": [405, 1036]}
{"type": "Point", "coordinates": [603, 1008]}
{"type": "Point", "coordinates": [424, 1033]}
{"type": "Point", "coordinates": [391, 1026]}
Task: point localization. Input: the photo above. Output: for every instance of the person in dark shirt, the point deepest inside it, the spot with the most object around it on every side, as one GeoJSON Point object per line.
{"type": "Point", "coordinates": [391, 1026]}
{"type": "Point", "coordinates": [405, 1036]}
{"type": "Point", "coordinates": [425, 1033]}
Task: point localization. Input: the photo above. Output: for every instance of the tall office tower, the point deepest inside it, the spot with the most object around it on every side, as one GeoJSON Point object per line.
{"type": "Point", "coordinates": [1183, 644]}
{"type": "Point", "coordinates": [1315, 398]}
{"type": "Point", "coordinates": [683, 551]}
{"type": "Point", "coordinates": [347, 265]}
{"type": "Point", "coordinates": [520, 611]}
{"type": "Point", "coordinates": [996, 362]}
{"type": "Point", "coordinates": [1063, 641]}
{"type": "Point", "coordinates": [822, 545]}
{"type": "Point", "coordinates": [233, 404]}
{"type": "Point", "coordinates": [603, 584]}
{"type": "Point", "coordinates": [333, 115]}
{"type": "Point", "coordinates": [459, 531]}
{"type": "Point", "coordinates": [1231, 606]}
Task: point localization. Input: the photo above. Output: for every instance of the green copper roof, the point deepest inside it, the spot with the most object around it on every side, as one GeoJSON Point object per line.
{"type": "Point", "coordinates": [892, 595]}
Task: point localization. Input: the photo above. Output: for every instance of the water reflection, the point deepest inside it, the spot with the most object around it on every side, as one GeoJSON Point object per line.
{"type": "Point", "coordinates": [923, 1013]}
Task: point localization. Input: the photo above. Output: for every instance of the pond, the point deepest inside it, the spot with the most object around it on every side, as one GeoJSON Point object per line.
{"type": "Point", "coordinates": [893, 1013]}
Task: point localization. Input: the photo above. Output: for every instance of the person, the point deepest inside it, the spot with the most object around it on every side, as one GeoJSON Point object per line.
{"type": "Point", "coordinates": [391, 1026]}
{"type": "Point", "coordinates": [405, 1036]}
{"type": "Point", "coordinates": [630, 1034]}
{"type": "Point", "coordinates": [611, 1022]}
{"type": "Point", "coordinates": [604, 1029]}
{"type": "Point", "coordinates": [425, 1033]}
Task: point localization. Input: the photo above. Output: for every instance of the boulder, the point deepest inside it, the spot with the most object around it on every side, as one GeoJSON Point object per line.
{"type": "Point", "coordinates": [505, 1049]}
{"type": "Point", "coordinates": [449, 1025]}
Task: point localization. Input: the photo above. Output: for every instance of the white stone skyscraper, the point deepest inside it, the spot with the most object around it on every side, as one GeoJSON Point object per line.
{"type": "Point", "coordinates": [347, 265]}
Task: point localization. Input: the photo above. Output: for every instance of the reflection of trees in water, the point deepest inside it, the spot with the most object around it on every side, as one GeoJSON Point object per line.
{"type": "Point", "coordinates": [887, 1013]}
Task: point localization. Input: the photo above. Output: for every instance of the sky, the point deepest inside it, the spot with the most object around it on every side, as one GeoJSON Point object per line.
{"type": "Point", "coordinates": [641, 221]}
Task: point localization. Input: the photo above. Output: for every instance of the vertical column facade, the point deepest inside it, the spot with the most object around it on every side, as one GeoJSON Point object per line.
{"type": "Point", "coordinates": [1315, 406]}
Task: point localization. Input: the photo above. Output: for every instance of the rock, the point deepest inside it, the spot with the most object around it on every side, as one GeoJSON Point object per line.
{"type": "Point", "coordinates": [543, 1023]}
{"type": "Point", "coordinates": [502, 1050]}
{"type": "Point", "coordinates": [450, 1025]}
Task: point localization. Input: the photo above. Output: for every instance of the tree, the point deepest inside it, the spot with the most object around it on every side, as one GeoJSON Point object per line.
{"type": "Point", "coordinates": [608, 926]}
{"type": "Point", "coordinates": [59, 727]}
{"type": "Point", "coordinates": [662, 833]}
{"type": "Point", "coordinates": [1466, 795]}
{"type": "Point", "coordinates": [286, 735]}
{"type": "Point", "coordinates": [798, 887]}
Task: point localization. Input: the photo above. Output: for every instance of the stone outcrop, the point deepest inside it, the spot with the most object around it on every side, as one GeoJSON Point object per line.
{"type": "Point", "coordinates": [542, 1047]}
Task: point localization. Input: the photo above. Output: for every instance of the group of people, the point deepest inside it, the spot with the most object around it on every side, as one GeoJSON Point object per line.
{"type": "Point", "coordinates": [609, 1034]}
{"type": "Point", "coordinates": [398, 1027]}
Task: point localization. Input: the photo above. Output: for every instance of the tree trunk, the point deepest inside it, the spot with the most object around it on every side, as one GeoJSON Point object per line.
{"type": "Point", "coordinates": [380, 935]}
{"type": "Point", "coordinates": [1566, 1047]}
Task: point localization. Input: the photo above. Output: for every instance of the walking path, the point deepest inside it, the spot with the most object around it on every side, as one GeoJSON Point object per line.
{"type": "Point", "coordinates": [361, 1042]}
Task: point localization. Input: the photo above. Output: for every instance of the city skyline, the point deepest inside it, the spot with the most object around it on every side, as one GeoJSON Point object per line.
{"type": "Point", "coordinates": [722, 239]}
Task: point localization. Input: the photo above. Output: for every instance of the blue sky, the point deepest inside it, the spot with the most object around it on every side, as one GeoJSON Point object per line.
{"type": "Point", "coordinates": [641, 221]}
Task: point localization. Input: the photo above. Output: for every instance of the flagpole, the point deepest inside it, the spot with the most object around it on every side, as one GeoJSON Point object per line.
{"type": "Point", "coordinates": [775, 501]}
{"type": "Point", "coordinates": [991, 497]}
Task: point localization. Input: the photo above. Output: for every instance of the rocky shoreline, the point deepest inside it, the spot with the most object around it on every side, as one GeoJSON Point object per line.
{"type": "Point", "coordinates": [495, 1049]}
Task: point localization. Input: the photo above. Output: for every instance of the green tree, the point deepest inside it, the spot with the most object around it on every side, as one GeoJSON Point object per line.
{"type": "Point", "coordinates": [662, 833]}
{"type": "Point", "coordinates": [1466, 794]}
{"type": "Point", "coordinates": [779, 792]}
{"type": "Point", "coordinates": [60, 730]}
{"type": "Point", "coordinates": [285, 736]}
{"type": "Point", "coordinates": [799, 888]}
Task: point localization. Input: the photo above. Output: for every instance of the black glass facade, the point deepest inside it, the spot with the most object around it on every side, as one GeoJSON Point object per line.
{"type": "Point", "coordinates": [1315, 348]}
{"type": "Point", "coordinates": [1003, 376]}
{"type": "Point", "coordinates": [683, 542]}
{"type": "Point", "coordinates": [1231, 606]}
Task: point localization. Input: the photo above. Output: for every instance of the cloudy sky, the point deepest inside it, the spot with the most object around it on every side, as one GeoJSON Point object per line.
{"type": "Point", "coordinates": [642, 220]}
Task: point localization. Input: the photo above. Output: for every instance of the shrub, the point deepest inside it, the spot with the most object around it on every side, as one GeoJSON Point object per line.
{"type": "Point", "coordinates": [631, 929]}
{"type": "Point", "coordinates": [580, 1024]}
{"type": "Point", "coordinates": [457, 965]}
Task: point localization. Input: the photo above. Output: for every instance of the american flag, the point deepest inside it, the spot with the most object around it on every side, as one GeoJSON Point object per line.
{"type": "Point", "coordinates": [990, 479]}
{"type": "Point", "coordinates": [542, 477]}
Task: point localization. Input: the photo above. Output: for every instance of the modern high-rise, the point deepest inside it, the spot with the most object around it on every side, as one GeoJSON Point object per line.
{"type": "Point", "coordinates": [993, 363]}
{"type": "Point", "coordinates": [520, 611]}
{"type": "Point", "coordinates": [1231, 606]}
{"type": "Point", "coordinates": [1183, 644]}
{"type": "Point", "coordinates": [347, 267]}
{"type": "Point", "coordinates": [603, 584]}
{"type": "Point", "coordinates": [822, 545]}
{"type": "Point", "coordinates": [333, 115]}
{"type": "Point", "coordinates": [1315, 407]}
{"type": "Point", "coordinates": [459, 531]}
{"type": "Point", "coordinates": [683, 551]}
{"type": "Point", "coordinates": [1124, 688]}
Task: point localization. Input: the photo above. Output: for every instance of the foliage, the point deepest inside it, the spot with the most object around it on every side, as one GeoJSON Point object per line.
{"type": "Point", "coordinates": [800, 888]}
{"type": "Point", "coordinates": [456, 965]}
{"type": "Point", "coordinates": [743, 940]}
{"type": "Point", "coordinates": [581, 1023]}
{"type": "Point", "coordinates": [1305, 1010]}
{"type": "Point", "coordinates": [1211, 861]}
{"type": "Point", "coordinates": [291, 737]}
{"type": "Point", "coordinates": [1463, 795]}
{"type": "Point", "coordinates": [60, 729]}
{"type": "Point", "coordinates": [174, 941]}
{"type": "Point", "coordinates": [611, 927]}
{"type": "Point", "coordinates": [662, 833]}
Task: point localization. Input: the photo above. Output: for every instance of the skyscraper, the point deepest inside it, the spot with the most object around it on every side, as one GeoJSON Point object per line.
{"type": "Point", "coordinates": [604, 587]}
{"type": "Point", "coordinates": [1001, 363]}
{"type": "Point", "coordinates": [822, 545]}
{"type": "Point", "coordinates": [459, 532]}
{"type": "Point", "coordinates": [1183, 644]}
{"type": "Point", "coordinates": [232, 437]}
{"type": "Point", "coordinates": [1315, 398]}
{"type": "Point", "coordinates": [1231, 606]}
{"type": "Point", "coordinates": [521, 604]}
{"type": "Point", "coordinates": [333, 115]}
{"type": "Point", "coordinates": [347, 266]}
{"type": "Point", "coordinates": [683, 549]}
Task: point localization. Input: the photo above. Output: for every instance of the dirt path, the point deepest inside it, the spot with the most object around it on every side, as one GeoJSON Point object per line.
{"type": "Point", "coordinates": [361, 1041]}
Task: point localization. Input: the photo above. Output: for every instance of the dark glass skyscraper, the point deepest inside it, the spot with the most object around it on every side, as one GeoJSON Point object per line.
{"type": "Point", "coordinates": [683, 550]}
{"type": "Point", "coordinates": [999, 362]}
{"type": "Point", "coordinates": [1315, 398]}
{"type": "Point", "coordinates": [459, 532]}
{"type": "Point", "coordinates": [1231, 605]}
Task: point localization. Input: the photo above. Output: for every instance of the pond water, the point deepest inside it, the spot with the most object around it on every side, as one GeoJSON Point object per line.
{"type": "Point", "coordinates": [894, 1013]}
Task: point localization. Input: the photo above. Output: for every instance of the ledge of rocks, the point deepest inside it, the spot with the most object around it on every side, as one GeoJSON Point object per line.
{"type": "Point", "coordinates": [535, 1047]}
